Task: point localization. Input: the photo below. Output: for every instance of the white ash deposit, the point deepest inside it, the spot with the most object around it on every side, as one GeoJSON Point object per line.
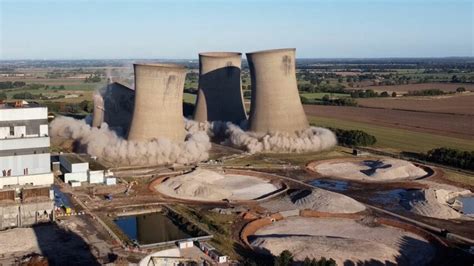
{"type": "Point", "coordinates": [343, 240]}
{"type": "Point", "coordinates": [206, 185]}
{"type": "Point", "coordinates": [315, 199]}
{"type": "Point", "coordinates": [435, 203]}
{"type": "Point", "coordinates": [371, 170]}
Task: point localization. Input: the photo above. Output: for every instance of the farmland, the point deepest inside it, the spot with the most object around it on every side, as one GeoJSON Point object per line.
{"type": "Point", "coordinates": [452, 104]}
{"type": "Point", "coordinates": [452, 125]}
{"type": "Point", "coordinates": [396, 139]}
{"type": "Point", "coordinates": [401, 89]}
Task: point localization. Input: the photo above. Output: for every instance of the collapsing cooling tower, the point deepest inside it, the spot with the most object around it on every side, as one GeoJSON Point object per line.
{"type": "Point", "coordinates": [114, 106]}
{"type": "Point", "coordinates": [158, 102]}
{"type": "Point", "coordinates": [220, 94]}
{"type": "Point", "coordinates": [276, 105]}
{"type": "Point", "coordinates": [98, 113]}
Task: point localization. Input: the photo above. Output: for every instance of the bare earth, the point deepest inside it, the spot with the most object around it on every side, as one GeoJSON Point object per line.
{"type": "Point", "coordinates": [343, 240]}
{"type": "Point", "coordinates": [453, 125]}
{"type": "Point", "coordinates": [452, 104]}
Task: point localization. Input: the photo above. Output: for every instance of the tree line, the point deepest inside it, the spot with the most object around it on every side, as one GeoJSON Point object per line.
{"type": "Point", "coordinates": [452, 157]}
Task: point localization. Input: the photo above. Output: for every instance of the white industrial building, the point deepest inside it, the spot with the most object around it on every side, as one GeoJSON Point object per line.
{"type": "Point", "coordinates": [24, 145]}
{"type": "Point", "coordinates": [25, 171]}
{"type": "Point", "coordinates": [83, 168]}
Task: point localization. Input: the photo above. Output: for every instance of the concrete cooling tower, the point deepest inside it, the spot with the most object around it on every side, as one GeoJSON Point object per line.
{"type": "Point", "coordinates": [276, 105]}
{"type": "Point", "coordinates": [98, 113]}
{"type": "Point", "coordinates": [220, 94]}
{"type": "Point", "coordinates": [158, 102]}
{"type": "Point", "coordinates": [114, 106]}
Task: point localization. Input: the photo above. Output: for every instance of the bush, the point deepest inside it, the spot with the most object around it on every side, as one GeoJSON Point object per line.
{"type": "Point", "coordinates": [394, 94]}
{"type": "Point", "coordinates": [461, 89]}
{"type": "Point", "coordinates": [285, 259]}
{"type": "Point", "coordinates": [3, 96]}
{"type": "Point", "coordinates": [353, 137]}
{"type": "Point", "coordinates": [428, 92]}
{"type": "Point", "coordinates": [452, 157]}
{"type": "Point", "coordinates": [338, 101]}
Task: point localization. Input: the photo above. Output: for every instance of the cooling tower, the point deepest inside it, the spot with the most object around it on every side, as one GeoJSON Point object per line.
{"type": "Point", "coordinates": [158, 102]}
{"type": "Point", "coordinates": [220, 94]}
{"type": "Point", "coordinates": [98, 113]}
{"type": "Point", "coordinates": [114, 106]}
{"type": "Point", "coordinates": [276, 105]}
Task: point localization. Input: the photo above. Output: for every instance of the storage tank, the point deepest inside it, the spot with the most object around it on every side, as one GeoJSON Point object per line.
{"type": "Point", "coordinates": [158, 109]}
{"type": "Point", "coordinates": [219, 93]}
{"type": "Point", "coordinates": [276, 104]}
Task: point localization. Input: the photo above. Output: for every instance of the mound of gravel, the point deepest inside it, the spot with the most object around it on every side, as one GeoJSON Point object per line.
{"type": "Point", "coordinates": [315, 199]}
{"type": "Point", "coordinates": [206, 185]}
{"type": "Point", "coordinates": [435, 203]}
{"type": "Point", "coordinates": [344, 240]}
{"type": "Point", "coordinates": [371, 170]}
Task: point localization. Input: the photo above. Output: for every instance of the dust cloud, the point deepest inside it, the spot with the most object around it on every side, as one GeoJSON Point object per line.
{"type": "Point", "coordinates": [310, 139]}
{"type": "Point", "coordinates": [106, 145]}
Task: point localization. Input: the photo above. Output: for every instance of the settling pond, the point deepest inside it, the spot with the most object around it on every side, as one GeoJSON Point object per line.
{"type": "Point", "coordinates": [153, 228]}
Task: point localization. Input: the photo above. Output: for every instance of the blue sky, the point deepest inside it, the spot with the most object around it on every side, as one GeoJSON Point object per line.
{"type": "Point", "coordinates": [180, 29]}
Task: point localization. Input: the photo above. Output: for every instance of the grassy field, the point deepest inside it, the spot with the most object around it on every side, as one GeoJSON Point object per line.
{"type": "Point", "coordinates": [189, 98]}
{"type": "Point", "coordinates": [397, 139]}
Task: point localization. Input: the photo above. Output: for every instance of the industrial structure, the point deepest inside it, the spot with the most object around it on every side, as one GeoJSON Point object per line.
{"type": "Point", "coordinates": [276, 105]}
{"type": "Point", "coordinates": [24, 145]}
{"type": "Point", "coordinates": [26, 177]}
{"type": "Point", "coordinates": [220, 94]}
{"type": "Point", "coordinates": [158, 109]}
{"type": "Point", "coordinates": [114, 106]}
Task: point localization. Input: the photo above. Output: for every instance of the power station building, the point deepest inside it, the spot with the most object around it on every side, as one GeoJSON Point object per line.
{"type": "Point", "coordinates": [24, 145]}
{"type": "Point", "coordinates": [26, 177]}
{"type": "Point", "coordinates": [220, 94]}
{"type": "Point", "coordinates": [276, 105]}
{"type": "Point", "coordinates": [158, 108]}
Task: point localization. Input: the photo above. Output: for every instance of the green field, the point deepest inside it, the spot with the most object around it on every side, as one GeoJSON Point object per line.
{"type": "Point", "coordinates": [189, 98]}
{"type": "Point", "coordinates": [397, 139]}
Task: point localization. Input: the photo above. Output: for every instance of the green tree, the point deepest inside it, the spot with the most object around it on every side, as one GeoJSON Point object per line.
{"type": "Point", "coordinates": [285, 259]}
{"type": "Point", "coordinates": [3, 96]}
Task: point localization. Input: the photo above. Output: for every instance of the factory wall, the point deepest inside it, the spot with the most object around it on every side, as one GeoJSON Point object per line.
{"type": "Point", "coordinates": [35, 180]}
{"type": "Point", "coordinates": [35, 163]}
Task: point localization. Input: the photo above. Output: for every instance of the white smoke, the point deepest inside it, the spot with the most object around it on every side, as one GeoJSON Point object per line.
{"type": "Point", "coordinates": [106, 145]}
{"type": "Point", "coordinates": [310, 139]}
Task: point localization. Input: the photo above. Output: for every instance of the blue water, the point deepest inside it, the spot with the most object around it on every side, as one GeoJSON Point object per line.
{"type": "Point", "coordinates": [328, 184]}
{"type": "Point", "coordinates": [150, 228]}
{"type": "Point", "coordinates": [467, 205]}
